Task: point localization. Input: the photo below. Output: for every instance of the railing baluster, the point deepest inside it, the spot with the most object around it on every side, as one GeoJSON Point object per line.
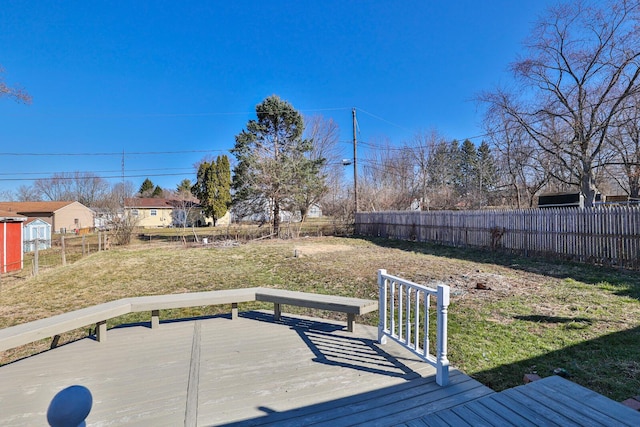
{"type": "Point", "coordinates": [393, 306]}
{"type": "Point", "coordinates": [427, 303]}
{"type": "Point", "coordinates": [408, 316]}
{"type": "Point", "coordinates": [416, 328]}
{"type": "Point", "coordinates": [400, 313]}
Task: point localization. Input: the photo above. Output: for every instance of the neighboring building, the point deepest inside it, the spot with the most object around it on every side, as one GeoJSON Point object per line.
{"type": "Point", "coordinates": [36, 231]}
{"type": "Point", "coordinates": [11, 255]}
{"type": "Point", "coordinates": [156, 212]}
{"type": "Point", "coordinates": [315, 211]}
{"type": "Point", "coordinates": [64, 217]}
{"type": "Point", "coordinates": [150, 211]}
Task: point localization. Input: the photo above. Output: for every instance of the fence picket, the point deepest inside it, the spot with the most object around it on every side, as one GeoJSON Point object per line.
{"type": "Point", "coordinates": [600, 235]}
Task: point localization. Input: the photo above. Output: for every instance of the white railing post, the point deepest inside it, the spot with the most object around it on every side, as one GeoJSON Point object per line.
{"type": "Point", "coordinates": [442, 368]}
{"type": "Point", "coordinates": [70, 407]}
{"type": "Point", "coordinates": [382, 306]}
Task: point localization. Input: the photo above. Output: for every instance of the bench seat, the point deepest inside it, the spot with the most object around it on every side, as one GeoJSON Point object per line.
{"type": "Point", "coordinates": [26, 333]}
{"type": "Point", "coordinates": [349, 305]}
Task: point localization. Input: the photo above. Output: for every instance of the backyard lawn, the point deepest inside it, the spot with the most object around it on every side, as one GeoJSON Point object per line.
{"type": "Point", "coordinates": [508, 316]}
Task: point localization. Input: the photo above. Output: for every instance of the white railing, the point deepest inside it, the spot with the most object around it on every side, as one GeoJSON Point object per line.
{"type": "Point", "coordinates": [404, 309]}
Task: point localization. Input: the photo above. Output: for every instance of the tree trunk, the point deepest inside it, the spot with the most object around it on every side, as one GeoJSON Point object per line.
{"type": "Point", "coordinates": [588, 185]}
{"type": "Point", "coordinates": [276, 217]}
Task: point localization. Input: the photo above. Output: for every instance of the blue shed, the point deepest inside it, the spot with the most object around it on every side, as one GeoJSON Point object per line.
{"type": "Point", "coordinates": [36, 230]}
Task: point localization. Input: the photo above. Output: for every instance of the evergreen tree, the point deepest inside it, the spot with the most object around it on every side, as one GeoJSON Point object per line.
{"type": "Point", "coordinates": [466, 172]}
{"type": "Point", "coordinates": [212, 187]}
{"type": "Point", "coordinates": [146, 189]}
{"type": "Point", "coordinates": [274, 170]}
{"type": "Point", "coordinates": [486, 172]}
{"type": "Point", "coordinates": [184, 186]}
{"type": "Point", "coordinates": [157, 192]}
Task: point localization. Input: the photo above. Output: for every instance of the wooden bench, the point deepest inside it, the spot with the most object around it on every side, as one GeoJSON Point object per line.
{"type": "Point", "coordinates": [26, 333]}
{"type": "Point", "coordinates": [351, 306]}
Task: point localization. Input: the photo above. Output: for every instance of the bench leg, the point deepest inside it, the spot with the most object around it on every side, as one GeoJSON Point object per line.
{"type": "Point", "coordinates": [101, 331]}
{"type": "Point", "coordinates": [276, 311]}
{"type": "Point", "coordinates": [155, 319]}
{"type": "Point", "coordinates": [234, 310]}
{"type": "Point", "coordinates": [351, 319]}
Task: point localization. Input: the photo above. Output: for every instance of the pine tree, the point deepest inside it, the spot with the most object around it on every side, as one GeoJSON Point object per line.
{"type": "Point", "coordinates": [212, 187]}
{"type": "Point", "coordinates": [274, 170]}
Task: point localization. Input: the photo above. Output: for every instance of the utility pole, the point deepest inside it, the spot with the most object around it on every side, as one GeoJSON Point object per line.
{"type": "Point", "coordinates": [355, 162]}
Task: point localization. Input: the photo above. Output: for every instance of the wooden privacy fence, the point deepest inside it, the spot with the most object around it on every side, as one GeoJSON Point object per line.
{"type": "Point", "coordinates": [601, 235]}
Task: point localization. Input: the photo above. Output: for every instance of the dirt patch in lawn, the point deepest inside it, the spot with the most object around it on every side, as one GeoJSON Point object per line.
{"type": "Point", "coordinates": [316, 248]}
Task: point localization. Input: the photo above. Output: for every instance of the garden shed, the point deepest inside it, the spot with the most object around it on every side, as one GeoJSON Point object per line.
{"type": "Point", "coordinates": [11, 241]}
{"type": "Point", "coordinates": [36, 230]}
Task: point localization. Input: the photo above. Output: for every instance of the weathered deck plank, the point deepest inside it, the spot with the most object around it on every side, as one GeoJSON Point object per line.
{"type": "Point", "coordinates": [552, 401]}
{"type": "Point", "coordinates": [299, 371]}
{"type": "Point", "coordinates": [250, 370]}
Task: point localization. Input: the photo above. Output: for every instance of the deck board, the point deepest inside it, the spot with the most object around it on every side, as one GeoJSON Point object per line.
{"type": "Point", "coordinates": [246, 371]}
{"type": "Point", "coordinates": [552, 401]}
{"type": "Point", "coordinates": [255, 371]}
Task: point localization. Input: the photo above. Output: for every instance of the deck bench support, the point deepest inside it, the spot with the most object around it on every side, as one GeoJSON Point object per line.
{"type": "Point", "coordinates": [101, 331]}
{"type": "Point", "coordinates": [348, 305]}
{"type": "Point", "coordinates": [234, 310]}
{"type": "Point", "coordinates": [155, 319]}
{"type": "Point", "coordinates": [351, 320]}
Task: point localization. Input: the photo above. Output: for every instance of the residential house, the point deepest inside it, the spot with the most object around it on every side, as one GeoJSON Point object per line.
{"type": "Point", "coordinates": [36, 231]}
{"type": "Point", "coordinates": [150, 211]}
{"type": "Point", "coordinates": [64, 217]}
{"type": "Point", "coordinates": [157, 212]}
{"type": "Point", "coordinates": [11, 255]}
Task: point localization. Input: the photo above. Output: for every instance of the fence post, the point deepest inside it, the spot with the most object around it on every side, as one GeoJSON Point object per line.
{"type": "Point", "coordinates": [382, 306]}
{"type": "Point", "coordinates": [36, 258]}
{"type": "Point", "coordinates": [84, 250]}
{"type": "Point", "coordinates": [64, 255]}
{"type": "Point", "coordinates": [442, 369]}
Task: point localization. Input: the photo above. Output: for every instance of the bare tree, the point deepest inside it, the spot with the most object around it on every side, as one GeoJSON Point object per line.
{"type": "Point", "coordinates": [625, 144]}
{"type": "Point", "coordinates": [420, 149]}
{"type": "Point", "coordinates": [84, 187]}
{"type": "Point", "coordinates": [387, 179]}
{"type": "Point", "coordinates": [121, 222]}
{"type": "Point", "coordinates": [521, 163]}
{"type": "Point", "coordinates": [580, 68]}
{"type": "Point", "coordinates": [324, 136]}
{"type": "Point", "coordinates": [27, 193]}
{"type": "Point", "coordinates": [16, 93]}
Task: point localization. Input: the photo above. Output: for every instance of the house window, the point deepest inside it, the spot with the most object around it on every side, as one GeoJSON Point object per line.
{"type": "Point", "coordinates": [134, 212]}
{"type": "Point", "coordinates": [154, 212]}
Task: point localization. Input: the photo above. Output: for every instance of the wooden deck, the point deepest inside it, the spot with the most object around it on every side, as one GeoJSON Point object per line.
{"type": "Point", "coordinates": [254, 371]}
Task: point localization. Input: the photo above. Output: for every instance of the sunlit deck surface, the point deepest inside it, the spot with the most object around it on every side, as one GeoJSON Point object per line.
{"type": "Point", "coordinates": [252, 371]}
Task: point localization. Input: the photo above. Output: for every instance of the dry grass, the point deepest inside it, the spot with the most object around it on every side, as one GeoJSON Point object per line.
{"type": "Point", "coordinates": [536, 315]}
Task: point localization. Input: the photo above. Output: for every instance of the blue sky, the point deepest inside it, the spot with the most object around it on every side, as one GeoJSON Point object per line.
{"type": "Point", "coordinates": [169, 82]}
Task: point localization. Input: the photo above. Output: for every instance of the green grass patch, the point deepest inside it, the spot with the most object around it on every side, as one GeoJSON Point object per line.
{"type": "Point", "coordinates": [538, 315]}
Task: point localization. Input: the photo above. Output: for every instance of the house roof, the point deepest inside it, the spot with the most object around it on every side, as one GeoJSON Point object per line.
{"type": "Point", "coordinates": [31, 220]}
{"type": "Point", "coordinates": [6, 216]}
{"type": "Point", "coordinates": [28, 207]}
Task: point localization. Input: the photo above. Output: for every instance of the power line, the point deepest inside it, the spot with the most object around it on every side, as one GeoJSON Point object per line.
{"type": "Point", "coordinates": [92, 176]}
{"type": "Point", "coordinates": [134, 153]}
{"type": "Point", "coordinates": [93, 172]}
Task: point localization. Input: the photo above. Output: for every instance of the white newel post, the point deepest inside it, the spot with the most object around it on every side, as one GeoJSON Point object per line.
{"type": "Point", "coordinates": [442, 368]}
{"type": "Point", "coordinates": [382, 306]}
